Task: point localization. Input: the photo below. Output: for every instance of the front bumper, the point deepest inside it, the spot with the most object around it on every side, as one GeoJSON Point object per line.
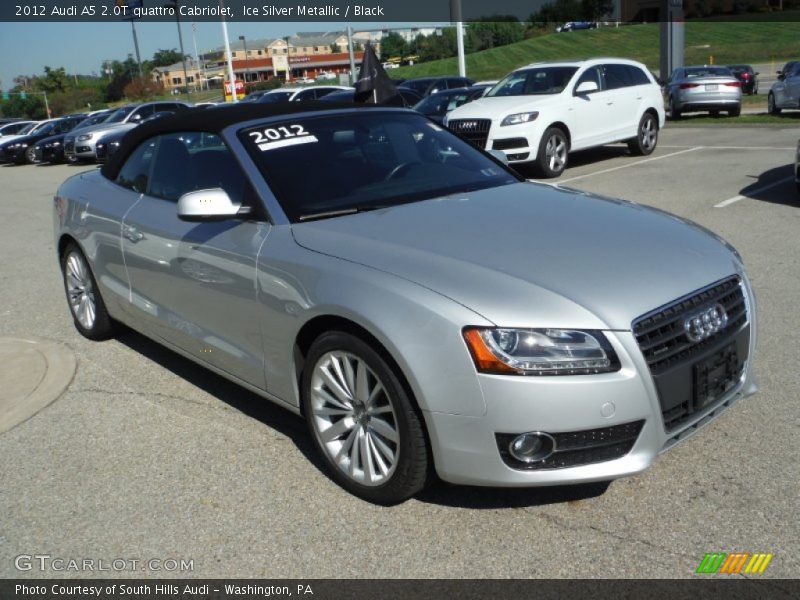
{"type": "Point", "coordinates": [597, 410]}
{"type": "Point", "coordinates": [80, 149]}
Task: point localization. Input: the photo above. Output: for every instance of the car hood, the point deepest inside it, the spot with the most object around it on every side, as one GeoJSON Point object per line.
{"type": "Point", "coordinates": [100, 128]}
{"type": "Point", "coordinates": [533, 255]}
{"type": "Point", "coordinates": [53, 138]}
{"type": "Point", "coordinates": [497, 107]}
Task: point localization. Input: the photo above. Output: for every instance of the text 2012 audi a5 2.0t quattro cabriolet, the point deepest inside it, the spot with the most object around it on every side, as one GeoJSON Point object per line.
{"type": "Point", "coordinates": [424, 308]}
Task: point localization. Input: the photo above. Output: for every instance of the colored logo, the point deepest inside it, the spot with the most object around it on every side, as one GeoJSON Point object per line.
{"type": "Point", "coordinates": [736, 562]}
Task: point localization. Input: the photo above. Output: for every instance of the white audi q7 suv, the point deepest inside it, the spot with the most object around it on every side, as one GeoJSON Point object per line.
{"type": "Point", "coordinates": [540, 113]}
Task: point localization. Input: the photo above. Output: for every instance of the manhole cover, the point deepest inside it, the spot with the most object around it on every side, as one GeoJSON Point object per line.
{"type": "Point", "coordinates": [33, 373]}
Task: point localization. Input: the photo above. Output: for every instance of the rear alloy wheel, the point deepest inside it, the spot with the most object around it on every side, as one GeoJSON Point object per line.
{"type": "Point", "coordinates": [674, 111]}
{"type": "Point", "coordinates": [362, 420]}
{"type": "Point", "coordinates": [551, 159]}
{"type": "Point", "coordinates": [772, 108]}
{"type": "Point", "coordinates": [647, 137]}
{"type": "Point", "coordinates": [85, 303]}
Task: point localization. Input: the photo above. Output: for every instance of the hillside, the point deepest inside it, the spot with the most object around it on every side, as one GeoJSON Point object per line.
{"type": "Point", "coordinates": [728, 42]}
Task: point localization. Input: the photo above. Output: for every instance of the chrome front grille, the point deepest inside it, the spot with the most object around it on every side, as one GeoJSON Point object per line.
{"type": "Point", "coordinates": [693, 376]}
{"type": "Point", "coordinates": [474, 131]}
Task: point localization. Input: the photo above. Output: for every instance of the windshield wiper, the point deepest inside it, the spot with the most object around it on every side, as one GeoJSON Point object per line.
{"type": "Point", "coordinates": [339, 212]}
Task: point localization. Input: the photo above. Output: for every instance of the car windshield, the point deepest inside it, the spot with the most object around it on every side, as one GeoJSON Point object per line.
{"type": "Point", "coordinates": [364, 161]}
{"type": "Point", "coordinates": [539, 81]}
{"type": "Point", "coordinates": [440, 104]}
{"type": "Point", "coordinates": [119, 115]}
{"type": "Point", "coordinates": [27, 129]}
{"type": "Point", "coordinates": [694, 72]}
{"type": "Point", "coordinates": [95, 120]}
{"type": "Point", "coordinates": [48, 127]}
{"type": "Point", "coordinates": [275, 97]}
{"type": "Point", "coordinates": [419, 85]}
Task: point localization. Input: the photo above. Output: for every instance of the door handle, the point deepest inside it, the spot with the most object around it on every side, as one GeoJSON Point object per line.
{"type": "Point", "coordinates": [133, 234]}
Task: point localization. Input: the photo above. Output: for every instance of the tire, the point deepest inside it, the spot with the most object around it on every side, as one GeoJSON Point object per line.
{"type": "Point", "coordinates": [354, 403]}
{"type": "Point", "coordinates": [551, 159]}
{"type": "Point", "coordinates": [735, 112]}
{"type": "Point", "coordinates": [30, 156]}
{"type": "Point", "coordinates": [674, 111]}
{"type": "Point", "coordinates": [646, 137]}
{"type": "Point", "coordinates": [83, 297]}
{"type": "Point", "coordinates": [714, 113]}
{"type": "Point", "coordinates": [772, 108]}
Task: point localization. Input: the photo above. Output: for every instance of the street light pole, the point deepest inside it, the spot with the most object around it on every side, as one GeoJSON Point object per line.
{"type": "Point", "coordinates": [231, 74]}
{"type": "Point", "coordinates": [288, 64]}
{"type": "Point", "coordinates": [173, 4]}
{"type": "Point", "coordinates": [243, 39]}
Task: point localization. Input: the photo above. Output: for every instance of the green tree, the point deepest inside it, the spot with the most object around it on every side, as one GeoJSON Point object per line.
{"type": "Point", "coordinates": [164, 58]}
{"type": "Point", "coordinates": [54, 80]}
{"type": "Point", "coordinates": [31, 107]}
{"type": "Point", "coordinates": [393, 45]}
{"type": "Point", "coordinates": [335, 49]}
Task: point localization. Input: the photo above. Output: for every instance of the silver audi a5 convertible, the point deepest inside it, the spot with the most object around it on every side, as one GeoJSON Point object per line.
{"type": "Point", "coordinates": [426, 310]}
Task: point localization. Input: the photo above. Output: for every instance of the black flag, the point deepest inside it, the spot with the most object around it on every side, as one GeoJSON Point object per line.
{"type": "Point", "coordinates": [373, 85]}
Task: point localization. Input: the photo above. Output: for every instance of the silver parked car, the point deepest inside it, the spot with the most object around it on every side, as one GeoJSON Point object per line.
{"type": "Point", "coordinates": [785, 92]}
{"type": "Point", "coordinates": [703, 88]}
{"type": "Point", "coordinates": [81, 145]}
{"type": "Point", "coordinates": [797, 166]}
{"type": "Point", "coordinates": [424, 308]}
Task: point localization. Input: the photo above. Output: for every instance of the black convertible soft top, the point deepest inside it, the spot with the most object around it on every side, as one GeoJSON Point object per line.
{"type": "Point", "coordinates": [214, 120]}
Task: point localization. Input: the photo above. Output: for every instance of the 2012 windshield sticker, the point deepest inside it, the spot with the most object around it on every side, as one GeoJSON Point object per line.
{"type": "Point", "coordinates": [280, 137]}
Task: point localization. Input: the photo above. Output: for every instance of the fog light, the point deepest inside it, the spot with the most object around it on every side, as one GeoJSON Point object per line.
{"type": "Point", "coordinates": [531, 447]}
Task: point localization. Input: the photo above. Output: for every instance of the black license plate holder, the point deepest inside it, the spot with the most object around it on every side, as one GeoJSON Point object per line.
{"type": "Point", "coordinates": [714, 376]}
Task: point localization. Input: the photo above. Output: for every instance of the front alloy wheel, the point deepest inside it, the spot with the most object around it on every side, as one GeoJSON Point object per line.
{"type": "Point", "coordinates": [645, 141]}
{"type": "Point", "coordinates": [85, 303]}
{"type": "Point", "coordinates": [362, 420]}
{"type": "Point", "coordinates": [553, 150]}
{"type": "Point", "coordinates": [30, 155]}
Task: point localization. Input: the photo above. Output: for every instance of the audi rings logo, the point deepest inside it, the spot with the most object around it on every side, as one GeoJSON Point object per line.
{"type": "Point", "coordinates": [468, 124]}
{"type": "Point", "coordinates": [706, 323]}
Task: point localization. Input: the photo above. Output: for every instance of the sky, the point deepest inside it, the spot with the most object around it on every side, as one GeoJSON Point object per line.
{"type": "Point", "coordinates": [81, 48]}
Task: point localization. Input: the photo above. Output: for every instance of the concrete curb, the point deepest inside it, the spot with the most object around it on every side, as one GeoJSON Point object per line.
{"type": "Point", "coordinates": [34, 372]}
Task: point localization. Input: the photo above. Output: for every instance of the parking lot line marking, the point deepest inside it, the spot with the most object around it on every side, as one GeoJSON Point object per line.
{"type": "Point", "coordinates": [751, 147]}
{"type": "Point", "coordinates": [638, 162]}
{"type": "Point", "coordinates": [764, 188]}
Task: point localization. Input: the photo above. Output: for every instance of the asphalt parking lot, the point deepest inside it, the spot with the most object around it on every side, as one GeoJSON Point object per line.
{"type": "Point", "coordinates": [147, 456]}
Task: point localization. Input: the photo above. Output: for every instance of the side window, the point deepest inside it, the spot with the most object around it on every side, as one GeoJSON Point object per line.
{"type": "Point", "coordinates": [637, 76]}
{"type": "Point", "coordinates": [142, 113]}
{"type": "Point", "coordinates": [591, 74]}
{"type": "Point", "coordinates": [616, 76]}
{"type": "Point", "coordinates": [135, 173]}
{"type": "Point", "coordinates": [196, 160]}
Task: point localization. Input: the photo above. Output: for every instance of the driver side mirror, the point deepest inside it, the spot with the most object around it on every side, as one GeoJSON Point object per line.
{"type": "Point", "coordinates": [209, 205]}
{"type": "Point", "coordinates": [586, 87]}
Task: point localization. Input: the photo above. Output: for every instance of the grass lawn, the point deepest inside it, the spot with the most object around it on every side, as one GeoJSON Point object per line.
{"type": "Point", "coordinates": [726, 42]}
{"type": "Point", "coordinates": [785, 119]}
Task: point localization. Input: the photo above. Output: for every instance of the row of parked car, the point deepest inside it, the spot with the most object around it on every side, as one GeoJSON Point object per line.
{"type": "Point", "coordinates": [95, 136]}
{"type": "Point", "coordinates": [536, 116]}
{"type": "Point", "coordinates": [77, 137]}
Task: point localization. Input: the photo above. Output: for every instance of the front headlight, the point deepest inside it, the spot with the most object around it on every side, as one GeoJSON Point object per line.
{"type": "Point", "coordinates": [84, 136]}
{"type": "Point", "coordinates": [540, 351]}
{"type": "Point", "coordinates": [519, 118]}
